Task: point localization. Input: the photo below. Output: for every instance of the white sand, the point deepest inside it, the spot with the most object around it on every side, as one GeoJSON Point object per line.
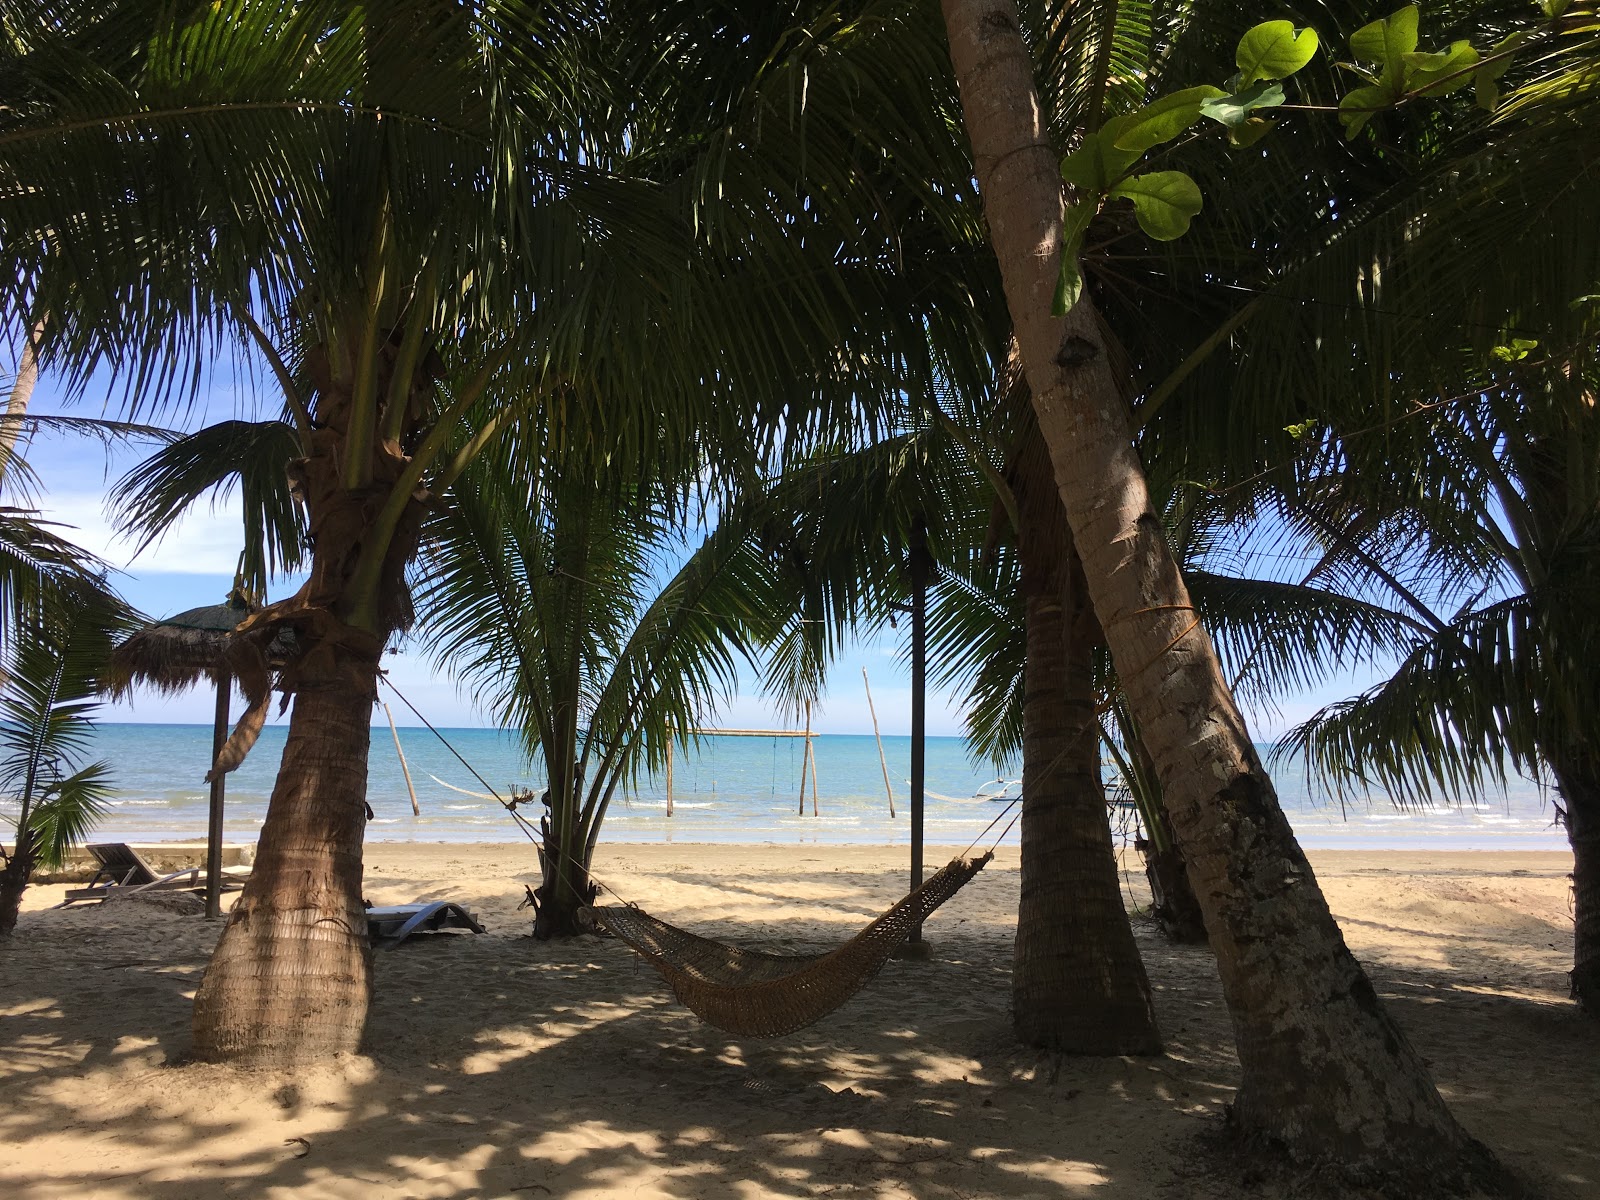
{"type": "Point", "coordinates": [500, 1067]}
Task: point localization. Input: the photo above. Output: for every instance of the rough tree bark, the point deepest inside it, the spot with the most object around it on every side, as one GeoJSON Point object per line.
{"type": "Point", "coordinates": [14, 879]}
{"type": "Point", "coordinates": [1078, 983]}
{"type": "Point", "coordinates": [565, 888]}
{"type": "Point", "coordinates": [1325, 1070]}
{"type": "Point", "coordinates": [291, 976]}
{"type": "Point", "coordinates": [1173, 902]}
{"type": "Point", "coordinates": [1579, 784]}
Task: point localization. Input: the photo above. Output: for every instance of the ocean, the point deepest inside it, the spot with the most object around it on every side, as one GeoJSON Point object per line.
{"type": "Point", "coordinates": [729, 789]}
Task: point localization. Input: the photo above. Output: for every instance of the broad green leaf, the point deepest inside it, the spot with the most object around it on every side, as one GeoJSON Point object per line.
{"type": "Point", "coordinates": [1273, 50]}
{"type": "Point", "coordinates": [1163, 119]}
{"type": "Point", "coordinates": [1069, 281]}
{"type": "Point", "coordinates": [1097, 163]}
{"type": "Point", "coordinates": [1357, 108]}
{"type": "Point", "coordinates": [1388, 40]}
{"type": "Point", "coordinates": [1163, 201]}
{"type": "Point", "coordinates": [1486, 78]}
{"type": "Point", "coordinates": [1516, 350]}
{"type": "Point", "coordinates": [1442, 73]}
{"type": "Point", "coordinates": [1233, 110]}
{"type": "Point", "coordinates": [1554, 8]}
{"type": "Point", "coordinates": [1300, 429]}
{"type": "Point", "coordinates": [1251, 132]}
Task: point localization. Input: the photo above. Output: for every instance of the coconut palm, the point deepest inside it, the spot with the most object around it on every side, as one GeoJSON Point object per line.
{"type": "Point", "coordinates": [1483, 529]}
{"type": "Point", "coordinates": [420, 217]}
{"type": "Point", "coordinates": [553, 597]}
{"type": "Point", "coordinates": [47, 699]}
{"type": "Point", "coordinates": [1321, 1058]}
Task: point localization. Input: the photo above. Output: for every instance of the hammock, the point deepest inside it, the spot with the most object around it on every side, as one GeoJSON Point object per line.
{"type": "Point", "coordinates": [755, 994]}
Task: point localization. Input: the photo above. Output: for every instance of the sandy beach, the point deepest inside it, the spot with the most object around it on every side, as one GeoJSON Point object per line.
{"type": "Point", "coordinates": [496, 1066]}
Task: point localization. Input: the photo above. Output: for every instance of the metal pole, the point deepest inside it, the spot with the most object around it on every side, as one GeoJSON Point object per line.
{"type": "Point", "coordinates": [920, 568]}
{"type": "Point", "coordinates": [219, 736]}
{"type": "Point", "coordinates": [416, 809]}
{"type": "Point", "coordinates": [882, 761]}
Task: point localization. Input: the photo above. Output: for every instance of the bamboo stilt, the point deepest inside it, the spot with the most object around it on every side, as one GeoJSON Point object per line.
{"type": "Point", "coordinates": [805, 761]}
{"type": "Point", "coordinates": [882, 761]}
{"type": "Point", "coordinates": [416, 809]}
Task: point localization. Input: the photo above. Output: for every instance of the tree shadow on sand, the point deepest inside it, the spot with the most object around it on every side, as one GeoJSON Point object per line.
{"type": "Point", "coordinates": [502, 1067]}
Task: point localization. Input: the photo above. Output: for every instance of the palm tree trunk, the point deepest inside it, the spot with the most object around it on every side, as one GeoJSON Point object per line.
{"type": "Point", "coordinates": [1172, 897]}
{"type": "Point", "coordinates": [14, 878]}
{"type": "Point", "coordinates": [1325, 1070]}
{"type": "Point", "coordinates": [566, 888]}
{"type": "Point", "coordinates": [21, 393]}
{"type": "Point", "coordinates": [1579, 783]}
{"type": "Point", "coordinates": [292, 974]}
{"type": "Point", "coordinates": [1078, 984]}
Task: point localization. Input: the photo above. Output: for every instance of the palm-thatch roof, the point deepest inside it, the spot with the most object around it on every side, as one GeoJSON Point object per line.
{"type": "Point", "coordinates": [178, 652]}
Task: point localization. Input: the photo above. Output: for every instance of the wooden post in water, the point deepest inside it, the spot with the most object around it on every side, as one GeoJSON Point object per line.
{"type": "Point", "coordinates": [813, 750]}
{"type": "Point", "coordinates": [416, 809]}
{"type": "Point", "coordinates": [669, 775]}
{"type": "Point", "coordinates": [882, 761]}
{"type": "Point", "coordinates": [219, 736]}
{"type": "Point", "coordinates": [805, 761]}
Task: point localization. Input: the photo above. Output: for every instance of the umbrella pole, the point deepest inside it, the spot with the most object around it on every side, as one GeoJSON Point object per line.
{"type": "Point", "coordinates": [219, 735]}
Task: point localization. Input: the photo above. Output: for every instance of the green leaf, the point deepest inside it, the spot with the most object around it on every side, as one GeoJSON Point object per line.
{"type": "Point", "coordinates": [1387, 41]}
{"type": "Point", "coordinates": [1098, 163]}
{"type": "Point", "coordinates": [1554, 8]}
{"type": "Point", "coordinates": [1164, 202]}
{"type": "Point", "coordinates": [1516, 350]}
{"type": "Point", "coordinates": [1233, 110]}
{"type": "Point", "coordinates": [1300, 429]}
{"type": "Point", "coordinates": [1357, 108]}
{"type": "Point", "coordinates": [1273, 50]}
{"type": "Point", "coordinates": [1069, 282]}
{"type": "Point", "coordinates": [1163, 119]}
{"type": "Point", "coordinates": [1486, 78]}
{"type": "Point", "coordinates": [1441, 73]}
{"type": "Point", "coordinates": [1251, 132]}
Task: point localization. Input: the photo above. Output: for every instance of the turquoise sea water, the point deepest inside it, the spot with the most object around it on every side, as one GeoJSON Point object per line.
{"type": "Point", "coordinates": [732, 789]}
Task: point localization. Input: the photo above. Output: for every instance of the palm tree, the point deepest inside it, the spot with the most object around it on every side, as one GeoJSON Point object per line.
{"type": "Point", "coordinates": [542, 592]}
{"type": "Point", "coordinates": [433, 219]}
{"type": "Point", "coordinates": [1483, 528]}
{"type": "Point", "coordinates": [1326, 1071]}
{"type": "Point", "coordinates": [50, 690]}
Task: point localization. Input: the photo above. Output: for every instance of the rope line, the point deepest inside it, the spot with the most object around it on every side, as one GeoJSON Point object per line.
{"type": "Point", "coordinates": [527, 826]}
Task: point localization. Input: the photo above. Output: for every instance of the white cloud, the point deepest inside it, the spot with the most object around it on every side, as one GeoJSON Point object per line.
{"type": "Point", "coordinates": [205, 541]}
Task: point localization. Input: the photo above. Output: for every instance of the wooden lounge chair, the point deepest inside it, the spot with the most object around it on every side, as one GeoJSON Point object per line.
{"type": "Point", "coordinates": [391, 924]}
{"type": "Point", "coordinates": [122, 871]}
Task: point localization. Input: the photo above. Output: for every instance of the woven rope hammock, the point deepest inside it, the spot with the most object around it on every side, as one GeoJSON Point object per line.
{"type": "Point", "coordinates": [756, 994]}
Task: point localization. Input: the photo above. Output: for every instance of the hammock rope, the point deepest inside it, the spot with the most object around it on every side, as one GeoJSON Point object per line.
{"type": "Point", "coordinates": [752, 993]}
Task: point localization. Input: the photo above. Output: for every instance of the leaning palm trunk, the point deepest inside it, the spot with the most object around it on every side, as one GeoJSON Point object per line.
{"type": "Point", "coordinates": [27, 378]}
{"type": "Point", "coordinates": [1078, 984]}
{"type": "Point", "coordinates": [1579, 783]}
{"type": "Point", "coordinates": [1325, 1070]}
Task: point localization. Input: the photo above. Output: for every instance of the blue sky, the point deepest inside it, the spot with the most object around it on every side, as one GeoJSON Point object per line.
{"type": "Point", "coordinates": [194, 566]}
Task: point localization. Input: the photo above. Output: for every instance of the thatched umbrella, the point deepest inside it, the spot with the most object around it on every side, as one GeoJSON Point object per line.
{"type": "Point", "coordinates": [172, 656]}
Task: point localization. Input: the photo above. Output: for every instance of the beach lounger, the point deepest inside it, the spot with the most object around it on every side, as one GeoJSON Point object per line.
{"type": "Point", "coordinates": [122, 871]}
{"type": "Point", "coordinates": [392, 924]}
